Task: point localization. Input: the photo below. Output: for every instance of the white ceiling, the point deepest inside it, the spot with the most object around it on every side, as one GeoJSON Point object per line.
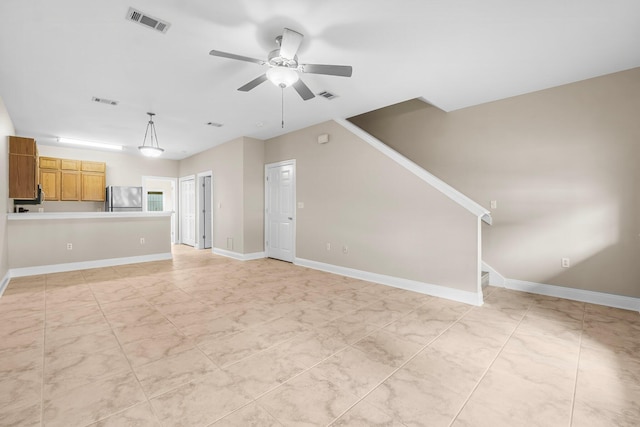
{"type": "Point", "coordinates": [56, 55]}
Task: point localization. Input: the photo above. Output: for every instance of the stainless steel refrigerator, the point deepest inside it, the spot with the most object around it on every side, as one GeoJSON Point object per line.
{"type": "Point", "coordinates": [123, 199]}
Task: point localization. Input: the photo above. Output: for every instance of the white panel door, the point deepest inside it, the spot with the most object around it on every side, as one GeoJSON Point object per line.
{"type": "Point", "coordinates": [280, 210]}
{"type": "Point", "coordinates": [188, 211]}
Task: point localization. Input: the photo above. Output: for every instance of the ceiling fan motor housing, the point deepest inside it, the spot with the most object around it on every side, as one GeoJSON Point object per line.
{"type": "Point", "coordinates": [276, 60]}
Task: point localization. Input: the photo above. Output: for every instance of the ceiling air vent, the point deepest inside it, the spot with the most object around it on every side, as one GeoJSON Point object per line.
{"type": "Point", "coordinates": [148, 21]}
{"type": "Point", "coordinates": [104, 101]}
{"type": "Point", "coordinates": [214, 124]}
{"type": "Point", "coordinates": [327, 95]}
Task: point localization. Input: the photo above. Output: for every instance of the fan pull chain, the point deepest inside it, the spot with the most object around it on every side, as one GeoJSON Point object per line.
{"type": "Point", "coordinates": [282, 103]}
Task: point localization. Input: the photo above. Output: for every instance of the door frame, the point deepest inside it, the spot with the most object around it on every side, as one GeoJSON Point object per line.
{"type": "Point", "coordinates": [181, 210]}
{"type": "Point", "coordinates": [199, 204]}
{"type": "Point", "coordinates": [291, 162]}
{"type": "Point", "coordinates": [175, 201]}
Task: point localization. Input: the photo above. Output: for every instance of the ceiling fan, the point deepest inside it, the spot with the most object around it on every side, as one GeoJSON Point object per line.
{"type": "Point", "coordinates": [284, 66]}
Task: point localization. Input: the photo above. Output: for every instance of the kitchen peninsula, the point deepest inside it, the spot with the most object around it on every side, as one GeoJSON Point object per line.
{"type": "Point", "coordinates": [50, 242]}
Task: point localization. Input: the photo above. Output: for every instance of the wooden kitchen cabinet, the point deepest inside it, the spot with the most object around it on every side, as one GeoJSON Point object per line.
{"type": "Point", "coordinates": [50, 182]}
{"type": "Point", "coordinates": [70, 186]}
{"type": "Point", "coordinates": [73, 180]}
{"type": "Point", "coordinates": [23, 168]}
{"type": "Point", "coordinates": [93, 186]}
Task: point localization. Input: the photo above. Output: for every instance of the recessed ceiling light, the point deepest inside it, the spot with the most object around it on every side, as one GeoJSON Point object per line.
{"type": "Point", "coordinates": [259, 124]}
{"type": "Point", "coordinates": [89, 144]}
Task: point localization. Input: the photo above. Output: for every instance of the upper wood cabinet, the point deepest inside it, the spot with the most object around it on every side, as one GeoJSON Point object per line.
{"type": "Point", "coordinates": [50, 182]}
{"type": "Point", "coordinates": [73, 180]}
{"type": "Point", "coordinates": [23, 168]}
{"type": "Point", "coordinates": [70, 186]}
{"type": "Point", "coordinates": [93, 186]}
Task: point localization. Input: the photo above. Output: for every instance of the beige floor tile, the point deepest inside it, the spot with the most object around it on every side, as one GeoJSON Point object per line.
{"type": "Point", "coordinates": [347, 329]}
{"type": "Point", "coordinates": [307, 400]}
{"type": "Point", "coordinates": [541, 404]}
{"type": "Point", "coordinates": [311, 347]}
{"type": "Point", "coordinates": [623, 365]}
{"type": "Point", "coordinates": [140, 415]}
{"type": "Point", "coordinates": [365, 415]}
{"type": "Point", "coordinates": [22, 416]}
{"type": "Point", "coordinates": [264, 371]}
{"type": "Point", "coordinates": [130, 333]}
{"type": "Point", "coordinates": [66, 371]}
{"type": "Point", "coordinates": [383, 312]}
{"type": "Point", "coordinates": [606, 400]}
{"type": "Point", "coordinates": [251, 415]}
{"type": "Point", "coordinates": [201, 402]}
{"type": "Point", "coordinates": [161, 346]}
{"type": "Point", "coordinates": [173, 371]}
{"type": "Point", "coordinates": [20, 390]}
{"type": "Point", "coordinates": [93, 402]}
{"type": "Point", "coordinates": [415, 401]}
{"type": "Point", "coordinates": [387, 347]}
{"type": "Point", "coordinates": [14, 363]}
{"type": "Point", "coordinates": [80, 320]}
{"type": "Point", "coordinates": [355, 371]}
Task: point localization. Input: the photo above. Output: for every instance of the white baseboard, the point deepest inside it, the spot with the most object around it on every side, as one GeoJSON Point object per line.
{"type": "Point", "coordinates": [396, 282]}
{"type": "Point", "coordinates": [84, 265]}
{"type": "Point", "coordinates": [239, 256]}
{"type": "Point", "coordinates": [600, 298]}
{"type": "Point", "coordinates": [4, 283]}
{"type": "Point", "coordinates": [495, 278]}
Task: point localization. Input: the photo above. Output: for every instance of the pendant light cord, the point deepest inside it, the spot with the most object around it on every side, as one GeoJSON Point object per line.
{"type": "Point", "coordinates": [282, 105]}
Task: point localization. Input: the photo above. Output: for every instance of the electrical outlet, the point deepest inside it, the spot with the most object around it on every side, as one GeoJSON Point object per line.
{"type": "Point", "coordinates": [142, 240]}
{"type": "Point", "coordinates": [494, 204]}
{"type": "Point", "coordinates": [328, 246]}
{"type": "Point", "coordinates": [69, 246]}
{"type": "Point", "coordinates": [345, 249]}
{"type": "Point", "coordinates": [566, 263]}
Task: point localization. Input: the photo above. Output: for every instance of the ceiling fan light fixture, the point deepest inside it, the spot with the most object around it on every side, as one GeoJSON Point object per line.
{"type": "Point", "coordinates": [282, 76]}
{"type": "Point", "coordinates": [152, 149]}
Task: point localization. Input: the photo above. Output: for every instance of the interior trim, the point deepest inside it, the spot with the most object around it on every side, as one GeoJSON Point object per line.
{"type": "Point", "coordinates": [592, 297]}
{"type": "Point", "coordinates": [239, 256]}
{"type": "Point", "coordinates": [84, 265]}
{"type": "Point", "coordinates": [4, 283]}
{"type": "Point", "coordinates": [396, 282]}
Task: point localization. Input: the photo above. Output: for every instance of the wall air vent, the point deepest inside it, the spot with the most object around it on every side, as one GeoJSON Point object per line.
{"type": "Point", "coordinates": [148, 21]}
{"type": "Point", "coordinates": [104, 101]}
{"type": "Point", "coordinates": [214, 124]}
{"type": "Point", "coordinates": [327, 95]}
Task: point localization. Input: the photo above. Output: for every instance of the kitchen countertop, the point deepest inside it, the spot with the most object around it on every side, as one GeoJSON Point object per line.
{"type": "Point", "coordinates": [83, 215]}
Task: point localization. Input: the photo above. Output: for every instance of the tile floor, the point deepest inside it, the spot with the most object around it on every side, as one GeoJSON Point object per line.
{"type": "Point", "coordinates": [204, 340]}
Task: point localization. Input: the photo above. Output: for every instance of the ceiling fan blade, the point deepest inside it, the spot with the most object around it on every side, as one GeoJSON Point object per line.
{"type": "Point", "coordinates": [290, 43]}
{"type": "Point", "coordinates": [253, 83]}
{"type": "Point", "coordinates": [303, 90]}
{"type": "Point", "coordinates": [331, 70]}
{"type": "Point", "coordinates": [237, 57]}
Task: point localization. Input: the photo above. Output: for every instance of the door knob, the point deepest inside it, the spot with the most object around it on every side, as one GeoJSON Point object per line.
{"type": "Point", "coordinates": [290, 218]}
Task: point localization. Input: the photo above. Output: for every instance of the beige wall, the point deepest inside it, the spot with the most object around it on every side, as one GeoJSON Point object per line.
{"type": "Point", "coordinates": [226, 162]}
{"type": "Point", "coordinates": [43, 242]}
{"type": "Point", "coordinates": [6, 129]}
{"type": "Point", "coordinates": [563, 166]}
{"type": "Point", "coordinates": [391, 221]}
{"type": "Point", "coordinates": [253, 170]}
{"type": "Point", "coordinates": [122, 169]}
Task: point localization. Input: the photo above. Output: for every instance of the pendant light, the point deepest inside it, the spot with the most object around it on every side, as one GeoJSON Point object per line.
{"type": "Point", "coordinates": [152, 149]}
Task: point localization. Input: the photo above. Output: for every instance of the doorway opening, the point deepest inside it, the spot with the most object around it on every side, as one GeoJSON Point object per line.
{"type": "Point", "coordinates": [153, 187]}
{"type": "Point", "coordinates": [205, 210]}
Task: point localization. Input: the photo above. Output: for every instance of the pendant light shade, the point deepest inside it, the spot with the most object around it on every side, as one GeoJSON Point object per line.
{"type": "Point", "coordinates": [151, 149]}
{"type": "Point", "coordinates": [282, 76]}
